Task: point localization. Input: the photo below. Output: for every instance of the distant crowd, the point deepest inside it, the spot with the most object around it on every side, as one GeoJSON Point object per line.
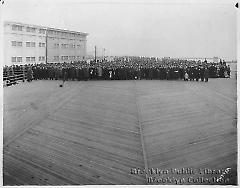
{"type": "Point", "coordinates": [124, 68]}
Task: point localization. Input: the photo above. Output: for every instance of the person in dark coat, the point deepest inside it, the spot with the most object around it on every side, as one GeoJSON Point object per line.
{"type": "Point", "coordinates": [72, 73]}
{"type": "Point", "coordinates": [150, 73]}
{"type": "Point", "coordinates": [191, 74]}
{"type": "Point", "coordinates": [228, 71]}
{"type": "Point", "coordinates": [86, 73]}
{"type": "Point", "coordinates": [181, 73]}
{"type": "Point", "coordinates": [80, 73]}
{"type": "Point", "coordinates": [29, 74]}
{"type": "Point", "coordinates": [202, 70]}
{"type": "Point", "coordinates": [99, 73]}
{"type": "Point", "coordinates": [206, 74]}
{"type": "Point", "coordinates": [64, 74]}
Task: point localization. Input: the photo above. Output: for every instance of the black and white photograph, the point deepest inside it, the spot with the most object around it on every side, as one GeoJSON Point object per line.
{"type": "Point", "coordinates": [119, 92]}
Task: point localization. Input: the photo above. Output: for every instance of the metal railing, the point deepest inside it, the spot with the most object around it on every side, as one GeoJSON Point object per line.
{"type": "Point", "coordinates": [14, 77]}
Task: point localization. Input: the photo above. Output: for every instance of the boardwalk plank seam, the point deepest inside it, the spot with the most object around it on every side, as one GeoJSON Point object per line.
{"type": "Point", "coordinates": [43, 116]}
{"type": "Point", "coordinates": [141, 132]}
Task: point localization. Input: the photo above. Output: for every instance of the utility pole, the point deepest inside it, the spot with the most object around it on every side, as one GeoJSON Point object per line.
{"type": "Point", "coordinates": [104, 53]}
{"type": "Point", "coordinates": [95, 53]}
{"type": "Point", "coordinates": [46, 45]}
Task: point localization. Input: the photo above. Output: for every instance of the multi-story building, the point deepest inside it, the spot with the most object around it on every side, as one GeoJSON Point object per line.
{"type": "Point", "coordinates": [25, 43]}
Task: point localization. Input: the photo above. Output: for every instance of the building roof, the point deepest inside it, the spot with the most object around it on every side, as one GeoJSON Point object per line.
{"type": "Point", "coordinates": [44, 27]}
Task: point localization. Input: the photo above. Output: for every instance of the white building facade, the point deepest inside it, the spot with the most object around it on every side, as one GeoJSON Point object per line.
{"type": "Point", "coordinates": [28, 44]}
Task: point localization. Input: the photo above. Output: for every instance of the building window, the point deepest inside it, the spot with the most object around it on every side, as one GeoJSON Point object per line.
{"type": "Point", "coordinates": [19, 43]}
{"type": "Point", "coordinates": [64, 57]}
{"type": "Point", "coordinates": [56, 58]}
{"type": "Point", "coordinates": [71, 57]}
{"type": "Point", "coordinates": [28, 59]}
{"type": "Point", "coordinates": [14, 43]}
{"type": "Point", "coordinates": [14, 59]}
{"type": "Point", "coordinates": [19, 59]}
{"type": "Point", "coordinates": [28, 44]}
{"type": "Point", "coordinates": [31, 29]}
{"type": "Point", "coordinates": [42, 31]}
{"type": "Point", "coordinates": [14, 27]}
{"type": "Point", "coordinates": [17, 28]}
{"type": "Point", "coordinates": [50, 32]}
{"type": "Point", "coordinates": [32, 44]}
{"type": "Point", "coordinates": [64, 45]}
{"type": "Point", "coordinates": [41, 44]}
{"type": "Point", "coordinates": [41, 58]}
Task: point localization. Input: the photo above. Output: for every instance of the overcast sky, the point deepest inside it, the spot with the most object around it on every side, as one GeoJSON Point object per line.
{"type": "Point", "coordinates": [183, 28]}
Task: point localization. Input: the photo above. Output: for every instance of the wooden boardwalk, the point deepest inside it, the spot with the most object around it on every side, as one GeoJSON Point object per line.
{"type": "Point", "coordinates": [95, 132]}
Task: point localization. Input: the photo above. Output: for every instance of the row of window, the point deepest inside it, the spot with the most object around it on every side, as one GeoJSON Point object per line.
{"type": "Point", "coordinates": [28, 59]}
{"type": "Point", "coordinates": [17, 28]}
{"type": "Point", "coordinates": [28, 44]}
{"type": "Point", "coordinates": [67, 46]}
{"type": "Point", "coordinates": [56, 58]}
{"type": "Point", "coordinates": [31, 29]}
{"type": "Point", "coordinates": [42, 58]}
{"type": "Point", "coordinates": [43, 31]}
{"type": "Point", "coordinates": [66, 34]}
{"type": "Point", "coordinates": [28, 29]}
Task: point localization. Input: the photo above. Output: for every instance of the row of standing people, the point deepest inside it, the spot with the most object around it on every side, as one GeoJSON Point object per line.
{"type": "Point", "coordinates": [123, 73]}
{"type": "Point", "coordinates": [122, 70]}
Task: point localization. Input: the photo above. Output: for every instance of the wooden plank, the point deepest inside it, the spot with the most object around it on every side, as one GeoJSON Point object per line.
{"type": "Point", "coordinates": [100, 134]}
{"type": "Point", "coordinates": [191, 131]}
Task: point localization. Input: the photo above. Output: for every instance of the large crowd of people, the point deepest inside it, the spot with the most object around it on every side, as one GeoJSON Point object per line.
{"type": "Point", "coordinates": [124, 68]}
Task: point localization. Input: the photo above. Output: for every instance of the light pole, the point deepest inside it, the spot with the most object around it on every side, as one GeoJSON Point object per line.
{"type": "Point", "coordinates": [95, 53]}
